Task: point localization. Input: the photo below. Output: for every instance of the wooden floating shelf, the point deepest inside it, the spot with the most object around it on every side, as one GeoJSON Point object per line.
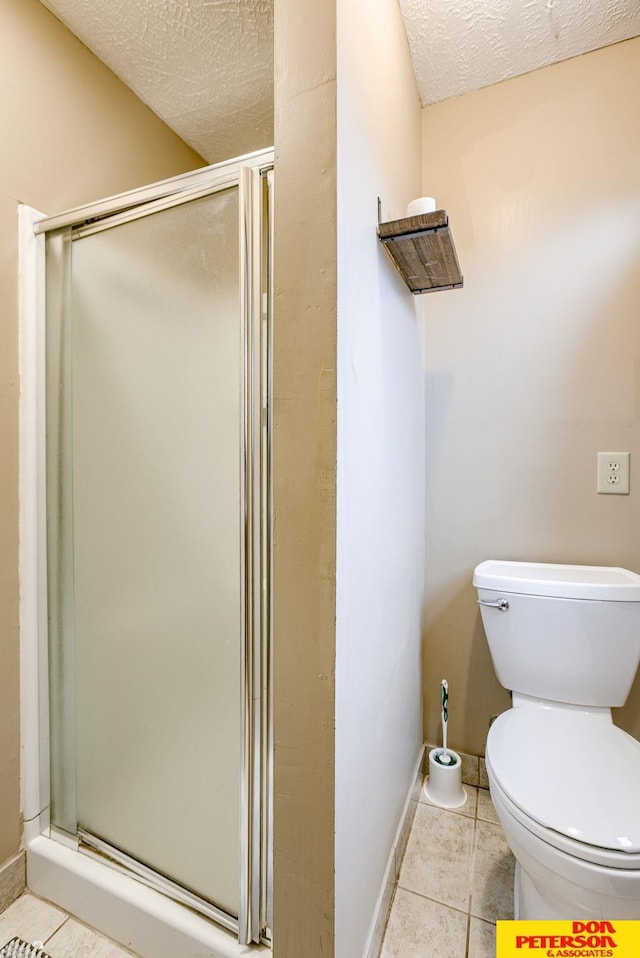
{"type": "Point", "coordinates": [423, 251]}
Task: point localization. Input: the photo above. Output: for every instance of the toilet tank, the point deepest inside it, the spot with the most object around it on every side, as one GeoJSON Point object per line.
{"type": "Point", "coordinates": [565, 633]}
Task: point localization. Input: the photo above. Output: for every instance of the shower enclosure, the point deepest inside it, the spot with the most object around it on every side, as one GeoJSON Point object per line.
{"type": "Point", "coordinates": [153, 570]}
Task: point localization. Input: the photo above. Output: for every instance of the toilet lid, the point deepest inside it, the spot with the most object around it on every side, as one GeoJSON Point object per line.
{"type": "Point", "coordinates": [572, 771]}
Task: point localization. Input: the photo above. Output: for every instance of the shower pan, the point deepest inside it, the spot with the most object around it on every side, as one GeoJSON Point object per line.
{"type": "Point", "coordinates": [146, 559]}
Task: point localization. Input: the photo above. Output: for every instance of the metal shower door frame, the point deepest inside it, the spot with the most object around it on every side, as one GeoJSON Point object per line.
{"type": "Point", "coordinates": [252, 174]}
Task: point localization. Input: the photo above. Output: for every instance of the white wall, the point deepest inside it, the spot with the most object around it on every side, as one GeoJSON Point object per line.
{"type": "Point", "coordinates": [380, 525]}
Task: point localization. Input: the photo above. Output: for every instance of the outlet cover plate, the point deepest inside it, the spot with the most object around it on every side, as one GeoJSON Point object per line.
{"type": "Point", "coordinates": [613, 473]}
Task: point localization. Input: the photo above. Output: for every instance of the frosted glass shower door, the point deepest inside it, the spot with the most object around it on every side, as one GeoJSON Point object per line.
{"type": "Point", "coordinates": [157, 435]}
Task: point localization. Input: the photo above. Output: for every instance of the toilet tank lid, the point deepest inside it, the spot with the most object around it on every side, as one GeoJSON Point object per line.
{"type": "Point", "coordinates": [560, 581]}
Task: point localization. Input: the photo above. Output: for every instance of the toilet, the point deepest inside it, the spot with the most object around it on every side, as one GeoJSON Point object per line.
{"type": "Point", "coordinates": [565, 781]}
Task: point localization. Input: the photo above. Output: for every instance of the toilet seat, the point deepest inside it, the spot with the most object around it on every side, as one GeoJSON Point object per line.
{"type": "Point", "coordinates": [571, 777]}
{"type": "Point", "coordinates": [576, 850]}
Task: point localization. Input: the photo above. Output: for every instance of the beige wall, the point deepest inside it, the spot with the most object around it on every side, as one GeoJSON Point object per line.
{"type": "Point", "coordinates": [304, 478]}
{"type": "Point", "coordinates": [329, 678]}
{"type": "Point", "coordinates": [71, 132]}
{"type": "Point", "coordinates": [535, 365]}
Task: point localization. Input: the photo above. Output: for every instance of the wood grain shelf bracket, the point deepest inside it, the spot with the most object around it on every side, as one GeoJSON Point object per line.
{"type": "Point", "coordinates": [423, 251]}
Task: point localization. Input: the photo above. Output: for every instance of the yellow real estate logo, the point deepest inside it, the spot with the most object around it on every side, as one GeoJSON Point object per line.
{"type": "Point", "coordinates": [568, 939]}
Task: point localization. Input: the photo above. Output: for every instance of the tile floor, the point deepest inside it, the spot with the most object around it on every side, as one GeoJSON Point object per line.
{"type": "Point", "coordinates": [35, 920]}
{"type": "Point", "coordinates": [456, 881]}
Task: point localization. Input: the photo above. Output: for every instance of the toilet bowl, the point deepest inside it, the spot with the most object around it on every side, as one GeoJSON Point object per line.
{"type": "Point", "coordinates": [554, 884]}
{"type": "Point", "coordinates": [565, 784]}
{"type": "Point", "coordinates": [565, 781]}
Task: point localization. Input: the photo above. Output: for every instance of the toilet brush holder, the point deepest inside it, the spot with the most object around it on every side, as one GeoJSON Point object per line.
{"type": "Point", "coordinates": [444, 784]}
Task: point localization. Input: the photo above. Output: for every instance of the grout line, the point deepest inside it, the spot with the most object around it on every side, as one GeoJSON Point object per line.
{"type": "Point", "coordinates": [67, 917]}
{"type": "Point", "coordinates": [98, 934]}
{"type": "Point", "coordinates": [55, 932]}
{"type": "Point", "coordinates": [471, 874]}
{"type": "Point", "coordinates": [386, 924]}
{"type": "Point", "coordinates": [454, 811]}
{"type": "Point", "coordinates": [436, 901]}
{"type": "Point", "coordinates": [471, 877]}
{"type": "Point", "coordinates": [467, 944]}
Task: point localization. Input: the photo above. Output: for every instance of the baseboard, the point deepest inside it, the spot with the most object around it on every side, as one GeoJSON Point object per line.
{"type": "Point", "coordinates": [387, 891]}
{"type": "Point", "coordinates": [12, 879]}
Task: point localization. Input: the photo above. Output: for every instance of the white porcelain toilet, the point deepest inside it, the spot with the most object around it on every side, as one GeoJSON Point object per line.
{"type": "Point", "coordinates": [565, 781]}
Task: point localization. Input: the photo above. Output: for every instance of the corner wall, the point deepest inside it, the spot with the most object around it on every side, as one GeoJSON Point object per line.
{"type": "Point", "coordinates": [535, 365]}
{"type": "Point", "coordinates": [380, 524]}
{"type": "Point", "coordinates": [71, 133]}
{"type": "Point", "coordinates": [304, 484]}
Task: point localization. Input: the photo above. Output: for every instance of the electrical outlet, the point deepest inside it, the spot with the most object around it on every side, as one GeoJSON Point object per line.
{"type": "Point", "coordinates": [613, 473]}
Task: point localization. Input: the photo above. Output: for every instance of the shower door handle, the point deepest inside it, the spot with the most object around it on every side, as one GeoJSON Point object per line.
{"type": "Point", "coordinates": [500, 604]}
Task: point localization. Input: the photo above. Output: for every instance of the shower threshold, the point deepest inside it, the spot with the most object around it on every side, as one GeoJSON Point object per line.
{"type": "Point", "coordinates": [114, 858]}
{"type": "Point", "coordinates": [124, 908]}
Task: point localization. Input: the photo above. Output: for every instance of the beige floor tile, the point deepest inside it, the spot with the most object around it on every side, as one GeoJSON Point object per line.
{"type": "Point", "coordinates": [470, 768]}
{"type": "Point", "coordinates": [437, 862]}
{"type": "Point", "coordinates": [468, 809]}
{"type": "Point", "coordinates": [486, 811]}
{"type": "Point", "coordinates": [420, 928]}
{"type": "Point", "coordinates": [482, 770]}
{"type": "Point", "coordinates": [482, 939]}
{"type": "Point", "coordinates": [74, 940]}
{"type": "Point", "coordinates": [29, 918]}
{"type": "Point", "coordinates": [492, 879]}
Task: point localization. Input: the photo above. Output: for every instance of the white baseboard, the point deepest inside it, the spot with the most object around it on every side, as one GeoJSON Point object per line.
{"type": "Point", "coordinates": [387, 891]}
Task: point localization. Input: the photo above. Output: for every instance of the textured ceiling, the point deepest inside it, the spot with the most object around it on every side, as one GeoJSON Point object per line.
{"type": "Point", "coordinates": [462, 45]}
{"type": "Point", "coordinates": [204, 66]}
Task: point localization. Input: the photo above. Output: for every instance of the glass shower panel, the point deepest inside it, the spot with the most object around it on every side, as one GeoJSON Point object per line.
{"type": "Point", "coordinates": [158, 519]}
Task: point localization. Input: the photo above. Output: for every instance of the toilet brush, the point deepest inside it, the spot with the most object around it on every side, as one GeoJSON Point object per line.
{"type": "Point", "coordinates": [443, 785]}
{"type": "Point", "coordinates": [443, 757]}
